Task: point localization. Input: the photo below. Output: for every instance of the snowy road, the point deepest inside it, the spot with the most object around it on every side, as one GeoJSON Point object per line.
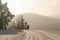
{"type": "Point", "coordinates": [28, 35]}
{"type": "Point", "coordinates": [40, 35]}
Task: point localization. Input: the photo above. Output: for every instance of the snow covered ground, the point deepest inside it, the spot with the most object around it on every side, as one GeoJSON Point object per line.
{"type": "Point", "coordinates": [27, 35]}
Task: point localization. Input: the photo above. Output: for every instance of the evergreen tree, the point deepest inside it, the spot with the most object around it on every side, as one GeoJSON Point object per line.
{"type": "Point", "coordinates": [21, 23]}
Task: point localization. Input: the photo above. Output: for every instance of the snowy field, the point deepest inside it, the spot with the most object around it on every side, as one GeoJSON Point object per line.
{"type": "Point", "coordinates": [28, 35]}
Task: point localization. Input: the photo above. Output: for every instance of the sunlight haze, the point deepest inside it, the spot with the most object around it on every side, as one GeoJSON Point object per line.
{"type": "Point", "coordinates": [49, 8]}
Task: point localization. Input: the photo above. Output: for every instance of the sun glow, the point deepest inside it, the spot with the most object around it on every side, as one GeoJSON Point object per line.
{"type": "Point", "coordinates": [42, 7]}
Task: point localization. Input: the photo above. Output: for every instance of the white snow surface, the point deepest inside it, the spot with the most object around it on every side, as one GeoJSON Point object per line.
{"type": "Point", "coordinates": [27, 35]}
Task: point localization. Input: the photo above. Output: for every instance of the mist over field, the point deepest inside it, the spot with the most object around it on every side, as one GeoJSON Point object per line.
{"type": "Point", "coordinates": [41, 22]}
{"type": "Point", "coordinates": [29, 19]}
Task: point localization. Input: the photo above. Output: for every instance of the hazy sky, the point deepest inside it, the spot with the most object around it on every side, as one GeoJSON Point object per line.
{"type": "Point", "coordinates": [42, 7]}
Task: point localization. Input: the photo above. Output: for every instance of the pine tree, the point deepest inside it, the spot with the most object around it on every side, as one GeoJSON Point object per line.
{"type": "Point", "coordinates": [22, 22]}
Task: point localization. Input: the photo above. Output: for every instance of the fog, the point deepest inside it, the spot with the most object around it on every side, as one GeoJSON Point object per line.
{"type": "Point", "coordinates": [49, 8]}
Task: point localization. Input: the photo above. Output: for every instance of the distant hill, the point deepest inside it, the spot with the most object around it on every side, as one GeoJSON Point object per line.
{"type": "Point", "coordinates": [41, 22]}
